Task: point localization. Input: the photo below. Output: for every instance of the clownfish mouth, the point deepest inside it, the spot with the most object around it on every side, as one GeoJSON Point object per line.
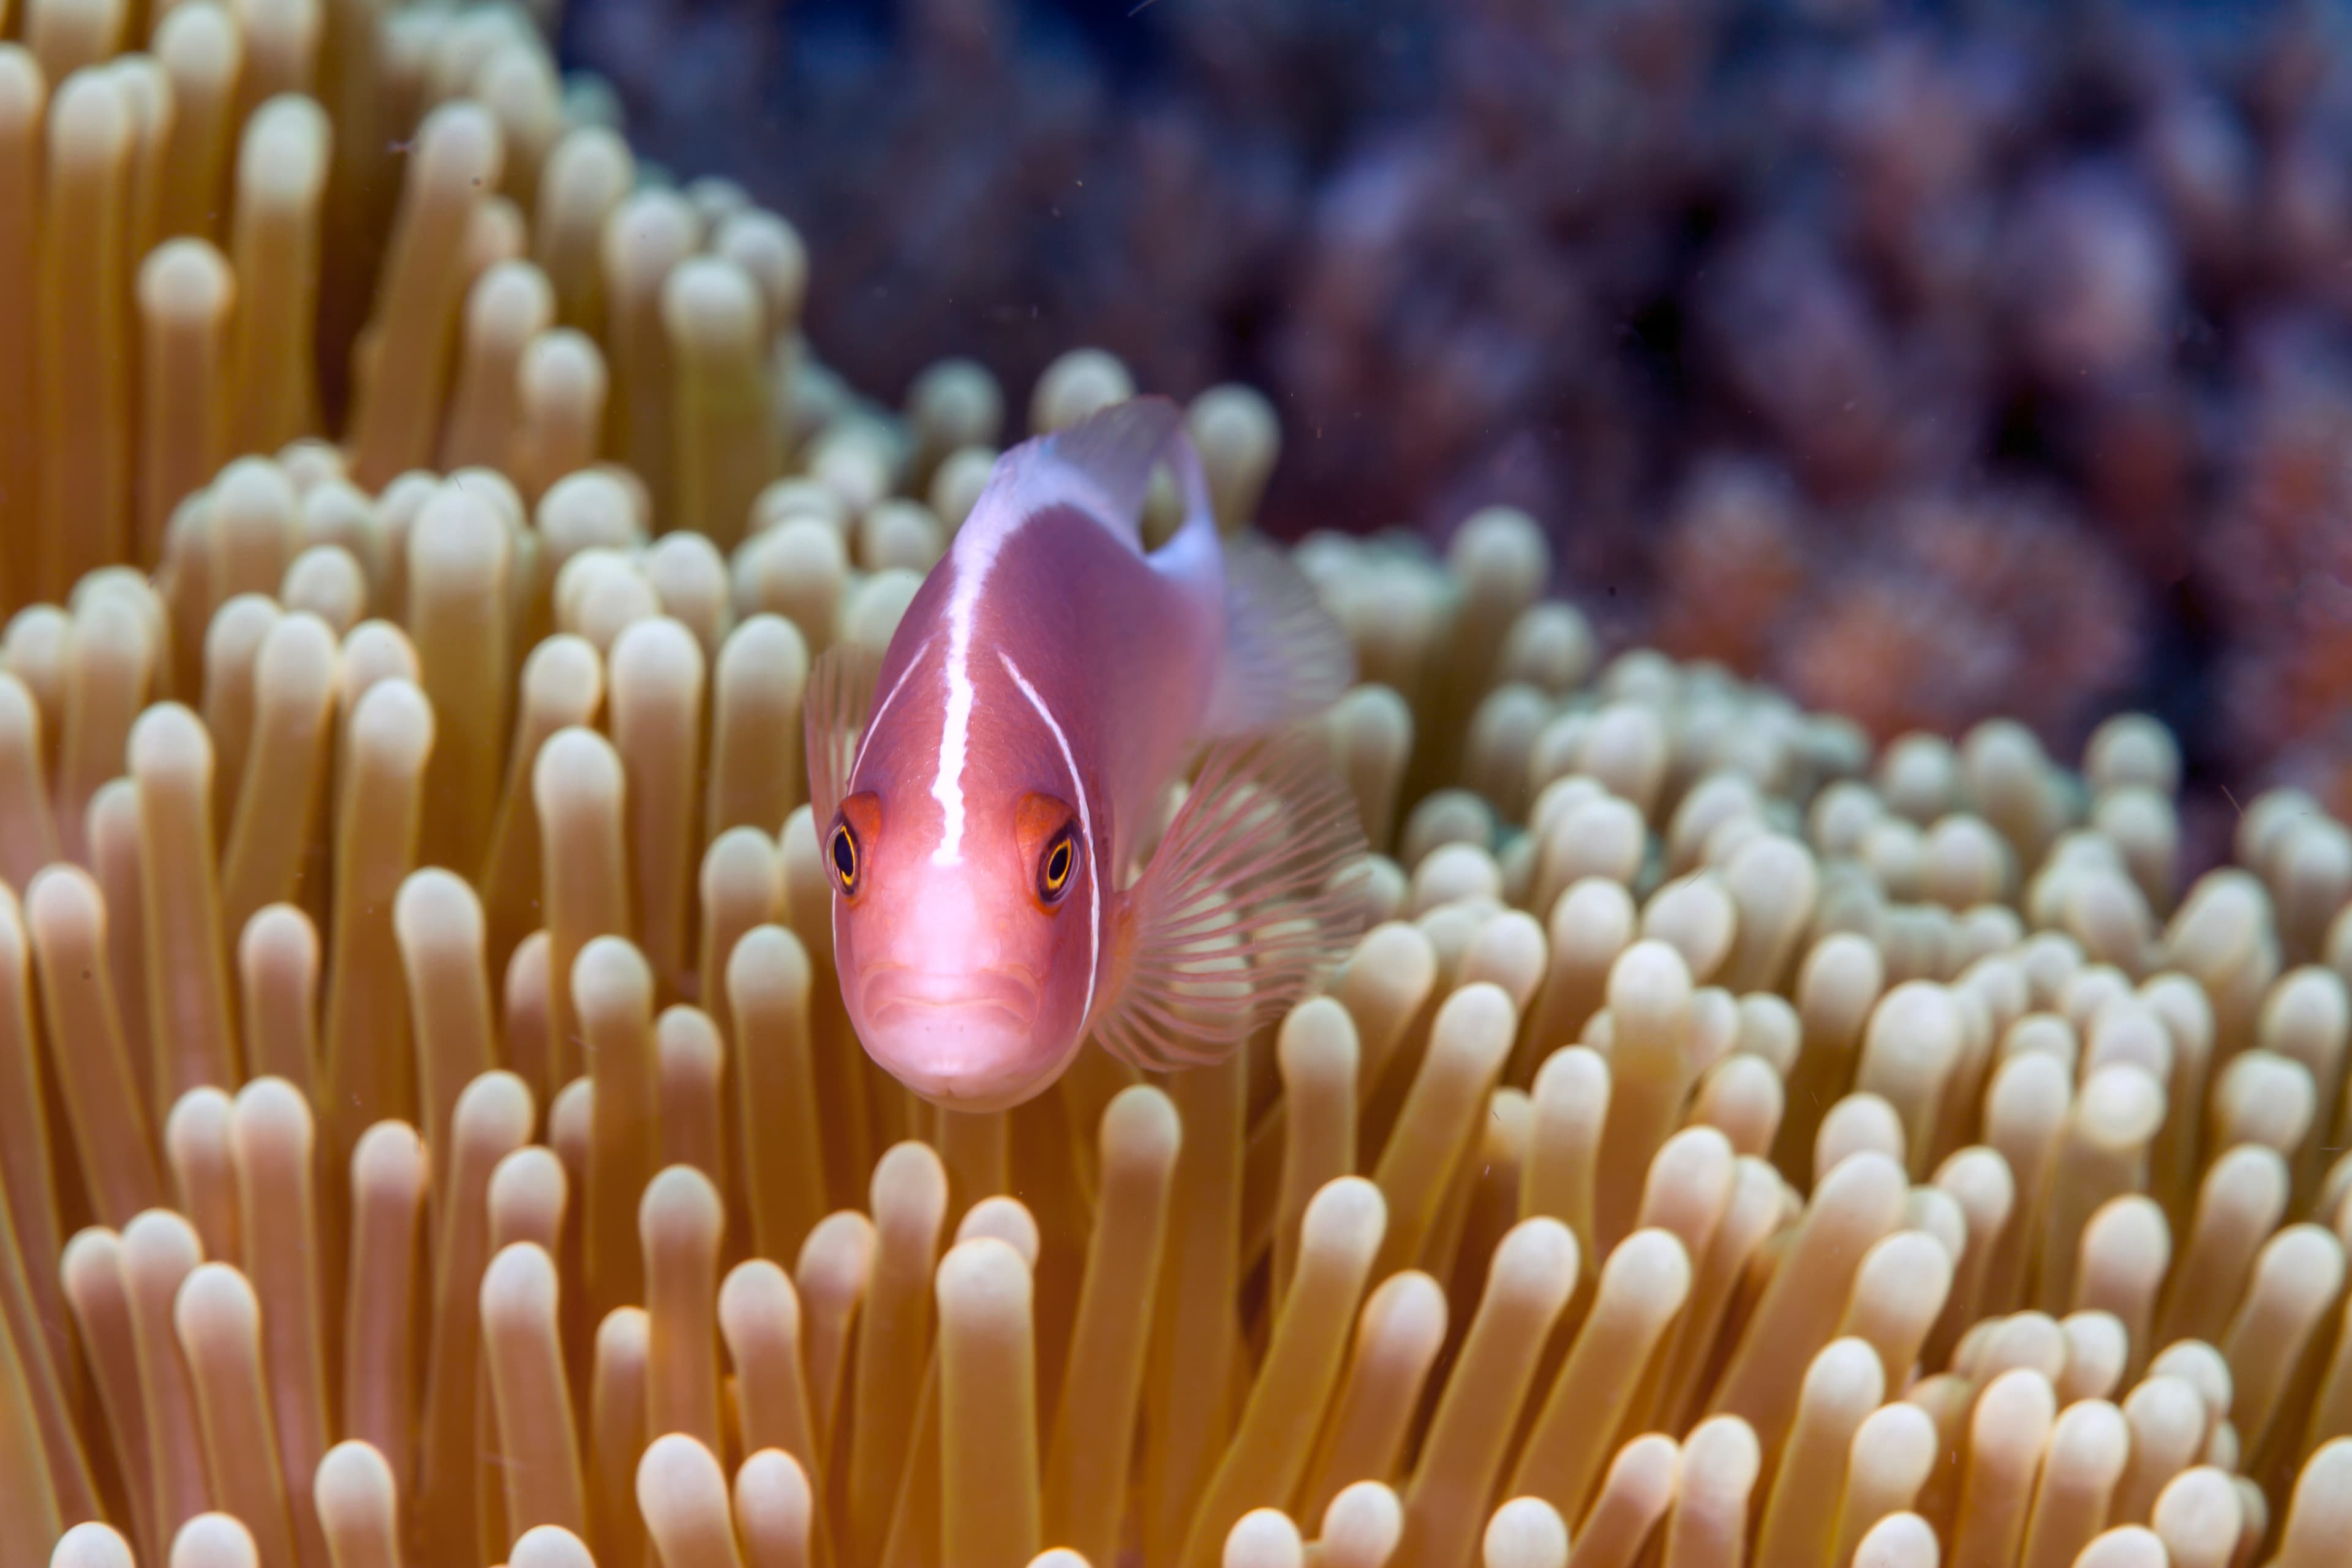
{"type": "Point", "coordinates": [1008, 995]}
{"type": "Point", "coordinates": [965, 1038]}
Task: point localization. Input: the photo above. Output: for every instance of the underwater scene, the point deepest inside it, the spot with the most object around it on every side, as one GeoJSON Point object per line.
{"type": "Point", "coordinates": [1199, 784]}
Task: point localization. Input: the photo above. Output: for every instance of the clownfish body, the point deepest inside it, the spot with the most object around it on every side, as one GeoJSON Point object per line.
{"type": "Point", "coordinates": [980, 796]}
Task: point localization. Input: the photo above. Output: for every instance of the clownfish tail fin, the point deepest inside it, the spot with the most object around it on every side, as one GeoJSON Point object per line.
{"type": "Point", "coordinates": [1285, 656]}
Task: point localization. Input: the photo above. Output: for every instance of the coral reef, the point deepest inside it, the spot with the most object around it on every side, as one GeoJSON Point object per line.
{"type": "Point", "coordinates": [1727, 1141]}
{"type": "Point", "coordinates": [1899, 260]}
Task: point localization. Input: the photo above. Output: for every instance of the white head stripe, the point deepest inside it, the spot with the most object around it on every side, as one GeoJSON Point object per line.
{"type": "Point", "coordinates": [1086, 830]}
{"type": "Point", "coordinates": [874, 720]}
{"type": "Point", "coordinates": [1026, 481]}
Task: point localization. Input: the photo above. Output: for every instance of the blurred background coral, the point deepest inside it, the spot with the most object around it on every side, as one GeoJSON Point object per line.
{"type": "Point", "coordinates": [1932, 361]}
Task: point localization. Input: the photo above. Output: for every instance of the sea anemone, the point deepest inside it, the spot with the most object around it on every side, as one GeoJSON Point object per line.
{"type": "Point", "coordinates": [431, 1133]}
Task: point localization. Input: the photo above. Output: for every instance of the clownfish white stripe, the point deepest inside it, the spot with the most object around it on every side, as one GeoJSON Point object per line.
{"type": "Point", "coordinates": [1025, 478]}
{"type": "Point", "coordinates": [874, 721]}
{"type": "Point", "coordinates": [975, 554]}
{"type": "Point", "coordinates": [1085, 832]}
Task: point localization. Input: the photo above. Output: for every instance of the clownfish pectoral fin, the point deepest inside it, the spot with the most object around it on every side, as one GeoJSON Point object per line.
{"type": "Point", "coordinates": [839, 700]}
{"type": "Point", "coordinates": [1285, 657]}
{"type": "Point", "coordinates": [1247, 905]}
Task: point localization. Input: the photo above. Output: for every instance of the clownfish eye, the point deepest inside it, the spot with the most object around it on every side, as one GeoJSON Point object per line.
{"type": "Point", "coordinates": [843, 853]}
{"type": "Point", "coordinates": [1061, 858]}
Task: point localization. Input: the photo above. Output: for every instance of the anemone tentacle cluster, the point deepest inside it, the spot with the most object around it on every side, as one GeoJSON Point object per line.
{"type": "Point", "coordinates": [431, 1133]}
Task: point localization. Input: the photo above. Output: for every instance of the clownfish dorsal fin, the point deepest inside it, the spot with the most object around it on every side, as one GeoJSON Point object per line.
{"type": "Point", "coordinates": [1242, 911]}
{"type": "Point", "coordinates": [1285, 657]}
{"type": "Point", "coordinates": [1107, 458]}
{"type": "Point", "coordinates": [839, 700]}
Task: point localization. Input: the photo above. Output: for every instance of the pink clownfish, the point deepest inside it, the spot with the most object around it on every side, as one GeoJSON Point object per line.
{"type": "Point", "coordinates": [981, 797]}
